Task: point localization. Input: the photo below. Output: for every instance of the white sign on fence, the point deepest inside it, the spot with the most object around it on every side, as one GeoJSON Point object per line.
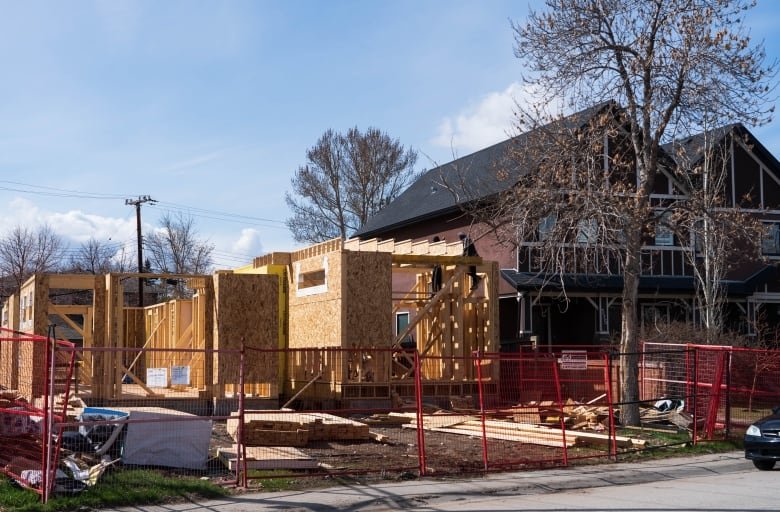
{"type": "Point", "coordinates": [157, 377]}
{"type": "Point", "coordinates": [180, 375]}
{"type": "Point", "coordinates": [574, 360]}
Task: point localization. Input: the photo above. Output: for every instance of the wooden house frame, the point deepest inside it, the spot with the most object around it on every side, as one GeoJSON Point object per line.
{"type": "Point", "coordinates": [225, 312]}
{"type": "Point", "coordinates": [341, 301]}
{"type": "Point", "coordinates": [316, 324]}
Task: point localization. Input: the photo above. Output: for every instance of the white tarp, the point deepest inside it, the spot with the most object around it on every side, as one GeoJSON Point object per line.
{"type": "Point", "coordinates": [173, 443]}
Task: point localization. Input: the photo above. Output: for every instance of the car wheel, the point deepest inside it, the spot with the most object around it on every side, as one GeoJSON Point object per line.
{"type": "Point", "coordinates": [764, 465]}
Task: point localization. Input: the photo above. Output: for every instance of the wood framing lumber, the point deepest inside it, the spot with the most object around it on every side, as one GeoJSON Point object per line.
{"type": "Point", "coordinates": [300, 392]}
{"type": "Point", "coordinates": [586, 437]}
{"type": "Point", "coordinates": [543, 438]}
{"type": "Point", "coordinates": [458, 274]}
{"type": "Point", "coordinates": [528, 439]}
{"type": "Point", "coordinates": [138, 381]}
{"type": "Point", "coordinates": [268, 457]}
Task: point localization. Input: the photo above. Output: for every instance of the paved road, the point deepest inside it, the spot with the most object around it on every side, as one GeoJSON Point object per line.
{"type": "Point", "coordinates": [704, 483]}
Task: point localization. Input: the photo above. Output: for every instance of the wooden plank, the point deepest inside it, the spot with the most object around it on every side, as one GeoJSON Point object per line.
{"type": "Point", "coordinates": [447, 288]}
{"type": "Point", "coordinates": [138, 381]}
{"type": "Point", "coordinates": [527, 439]}
{"type": "Point", "coordinates": [55, 309]}
{"type": "Point", "coordinates": [587, 437]}
{"type": "Point", "coordinates": [430, 260]}
{"type": "Point", "coordinates": [268, 457]}
{"type": "Point", "coordinates": [72, 281]}
{"type": "Point", "coordinates": [553, 439]}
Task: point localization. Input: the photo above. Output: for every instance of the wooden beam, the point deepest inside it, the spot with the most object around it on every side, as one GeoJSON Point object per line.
{"type": "Point", "coordinates": [430, 260]}
{"type": "Point", "coordinates": [138, 381]}
{"type": "Point", "coordinates": [72, 281]}
{"type": "Point", "coordinates": [54, 309]}
{"type": "Point", "coordinates": [424, 311]}
{"type": "Point", "coordinates": [304, 388]}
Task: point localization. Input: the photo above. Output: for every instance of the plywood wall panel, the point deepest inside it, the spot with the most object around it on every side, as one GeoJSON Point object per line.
{"type": "Point", "coordinates": [316, 312]}
{"type": "Point", "coordinates": [246, 311]}
{"type": "Point", "coordinates": [368, 299]}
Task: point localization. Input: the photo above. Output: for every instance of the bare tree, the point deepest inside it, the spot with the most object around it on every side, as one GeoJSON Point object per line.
{"type": "Point", "coordinates": [347, 178]}
{"type": "Point", "coordinates": [174, 248]}
{"type": "Point", "coordinates": [98, 257]}
{"type": "Point", "coordinates": [24, 252]}
{"type": "Point", "coordinates": [718, 236]}
{"type": "Point", "coordinates": [669, 66]}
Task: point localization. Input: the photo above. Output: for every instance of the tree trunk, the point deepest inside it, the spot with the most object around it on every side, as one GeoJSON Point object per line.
{"type": "Point", "coordinates": [629, 338]}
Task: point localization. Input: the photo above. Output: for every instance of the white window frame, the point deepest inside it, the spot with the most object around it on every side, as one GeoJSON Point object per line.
{"type": "Point", "coordinates": [770, 242]}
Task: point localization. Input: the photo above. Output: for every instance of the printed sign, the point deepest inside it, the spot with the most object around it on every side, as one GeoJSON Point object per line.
{"type": "Point", "coordinates": [574, 360]}
{"type": "Point", "coordinates": [180, 375]}
{"type": "Point", "coordinates": [157, 377]}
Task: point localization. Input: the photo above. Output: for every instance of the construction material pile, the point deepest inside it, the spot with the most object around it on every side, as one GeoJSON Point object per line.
{"type": "Point", "coordinates": [296, 429]}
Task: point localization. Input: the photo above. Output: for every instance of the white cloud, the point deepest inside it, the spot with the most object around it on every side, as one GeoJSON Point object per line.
{"type": "Point", "coordinates": [73, 225]}
{"type": "Point", "coordinates": [483, 124]}
{"type": "Point", "coordinates": [494, 118]}
{"type": "Point", "coordinates": [248, 243]}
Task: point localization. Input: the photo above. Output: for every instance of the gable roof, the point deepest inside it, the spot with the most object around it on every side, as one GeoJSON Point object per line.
{"type": "Point", "coordinates": [690, 150]}
{"type": "Point", "coordinates": [472, 177]}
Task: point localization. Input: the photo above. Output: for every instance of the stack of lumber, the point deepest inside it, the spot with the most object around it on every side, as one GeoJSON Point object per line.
{"type": "Point", "coordinates": [520, 432]}
{"type": "Point", "coordinates": [296, 429]}
{"type": "Point", "coordinates": [270, 430]}
{"type": "Point", "coordinates": [268, 457]}
{"type": "Point", "coordinates": [327, 427]}
{"type": "Point", "coordinates": [386, 420]}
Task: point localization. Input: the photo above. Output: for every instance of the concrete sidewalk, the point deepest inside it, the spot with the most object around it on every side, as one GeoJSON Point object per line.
{"type": "Point", "coordinates": [427, 492]}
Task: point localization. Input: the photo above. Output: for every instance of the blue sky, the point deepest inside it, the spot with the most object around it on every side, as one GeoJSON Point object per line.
{"type": "Point", "coordinates": [209, 106]}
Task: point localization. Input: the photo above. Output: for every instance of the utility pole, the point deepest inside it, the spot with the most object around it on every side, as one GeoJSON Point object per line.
{"type": "Point", "coordinates": [137, 203]}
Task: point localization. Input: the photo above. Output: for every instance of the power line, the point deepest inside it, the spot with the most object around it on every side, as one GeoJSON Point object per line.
{"type": "Point", "coordinates": [56, 192]}
{"type": "Point", "coordinates": [193, 210]}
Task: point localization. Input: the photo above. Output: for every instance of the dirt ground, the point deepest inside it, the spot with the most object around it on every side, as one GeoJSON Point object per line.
{"type": "Point", "coordinates": [396, 457]}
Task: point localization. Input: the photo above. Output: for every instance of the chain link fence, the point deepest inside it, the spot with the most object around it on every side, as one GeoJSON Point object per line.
{"type": "Point", "coordinates": [68, 414]}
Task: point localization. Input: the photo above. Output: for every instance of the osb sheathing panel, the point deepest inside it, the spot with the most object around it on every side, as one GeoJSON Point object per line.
{"type": "Point", "coordinates": [368, 300]}
{"type": "Point", "coordinates": [316, 318]}
{"type": "Point", "coordinates": [245, 310]}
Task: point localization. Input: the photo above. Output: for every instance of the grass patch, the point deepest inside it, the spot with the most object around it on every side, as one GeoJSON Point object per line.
{"type": "Point", "coordinates": [673, 444]}
{"type": "Point", "coordinates": [115, 489]}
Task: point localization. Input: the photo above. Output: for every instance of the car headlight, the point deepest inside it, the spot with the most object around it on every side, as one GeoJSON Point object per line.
{"type": "Point", "coordinates": [753, 431]}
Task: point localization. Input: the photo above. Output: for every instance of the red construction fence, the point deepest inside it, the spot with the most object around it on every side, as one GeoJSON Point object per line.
{"type": "Point", "coordinates": [331, 413]}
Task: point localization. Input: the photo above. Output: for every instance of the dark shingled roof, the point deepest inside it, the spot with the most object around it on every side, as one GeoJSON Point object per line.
{"type": "Point", "coordinates": [473, 177]}
{"type": "Point", "coordinates": [692, 147]}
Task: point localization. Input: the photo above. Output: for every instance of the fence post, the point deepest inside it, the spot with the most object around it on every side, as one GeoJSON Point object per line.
{"type": "Point", "coordinates": [557, 379]}
{"type": "Point", "coordinates": [47, 482]}
{"type": "Point", "coordinates": [241, 468]}
{"type": "Point", "coordinates": [695, 394]}
{"type": "Point", "coordinates": [727, 426]}
{"type": "Point", "coordinates": [612, 446]}
{"type": "Point", "coordinates": [478, 362]}
{"type": "Point", "coordinates": [420, 424]}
